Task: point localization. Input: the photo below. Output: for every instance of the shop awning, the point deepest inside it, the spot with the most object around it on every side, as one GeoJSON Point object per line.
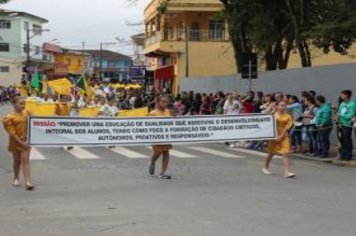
{"type": "Point", "coordinates": [164, 73]}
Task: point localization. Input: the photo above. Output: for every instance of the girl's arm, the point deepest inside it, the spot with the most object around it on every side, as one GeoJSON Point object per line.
{"type": "Point", "coordinates": [8, 125]}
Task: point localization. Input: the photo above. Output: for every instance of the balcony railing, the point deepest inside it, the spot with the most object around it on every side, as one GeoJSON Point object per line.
{"type": "Point", "coordinates": [193, 35]}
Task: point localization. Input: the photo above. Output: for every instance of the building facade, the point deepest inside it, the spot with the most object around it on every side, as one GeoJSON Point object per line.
{"type": "Point", "coordinates": [139, 58]}
{"type": "Point", "coordinates": [72, 63]}
{"type": "Point", "coordinates": [16, 29]}
{"type": "Point", "coordinates": [187, 39]}
{"type": "Point", "coordinates": [109, 65]}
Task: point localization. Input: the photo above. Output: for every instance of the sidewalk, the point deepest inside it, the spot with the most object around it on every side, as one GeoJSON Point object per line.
{"type": "Point", "coordinates": [331, 160]}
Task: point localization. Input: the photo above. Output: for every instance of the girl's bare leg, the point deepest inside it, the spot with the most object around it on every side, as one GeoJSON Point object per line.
{"type": "Point", "coordinates": [165, 162]}
{"type": "Point", "coordinates": [154, 158]}
{"type": "Point", "coordinates": [286, 164]}
{"type": "Point", "coordinates": [25, 161]}
{"type": "Point", "coordinates": [16, 167]}
{"type": "Point", "coordinates": [268, 160]}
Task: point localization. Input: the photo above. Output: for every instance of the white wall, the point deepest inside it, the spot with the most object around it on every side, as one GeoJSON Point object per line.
{"type": "Point", "coordinates": [325, 80]}
{"type": "Point", "coordinates": [15, 72]}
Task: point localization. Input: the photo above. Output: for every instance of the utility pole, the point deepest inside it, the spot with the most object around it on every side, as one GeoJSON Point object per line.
{"type": "Point", "coordinates": [101, 62]}
{"type": "Point", "coordinates": [186, 52]}
{"type": "Point", "coordinates": [28, 58]}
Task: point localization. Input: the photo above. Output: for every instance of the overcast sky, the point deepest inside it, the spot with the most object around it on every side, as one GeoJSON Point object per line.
{"type": "Point", "coordinates": [92, 21]}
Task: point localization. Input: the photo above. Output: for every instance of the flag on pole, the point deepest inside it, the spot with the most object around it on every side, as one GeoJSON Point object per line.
{"type": "Point", "coordinates": [35, 82]}
{"type": "Point", "coordinates": [84, 86]}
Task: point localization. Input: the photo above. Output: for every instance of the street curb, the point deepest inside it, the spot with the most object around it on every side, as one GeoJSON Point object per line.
{"type": "Point", "coordinates": [333, 160]}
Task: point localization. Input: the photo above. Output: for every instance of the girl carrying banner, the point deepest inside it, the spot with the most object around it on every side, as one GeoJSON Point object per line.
{"type": "Point", "coordinates": [15, 125]}
{"type": "Point", "coordinates": [161, 110]}
{"type": "Point", "coordinates": [282, 144]}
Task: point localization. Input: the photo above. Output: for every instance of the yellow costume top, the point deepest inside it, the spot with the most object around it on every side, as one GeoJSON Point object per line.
{"type": "Point", "coordinates": [16, 124]}
{"type": "Point", "coordinates": [63, 109]}
{"type": "Point", "coordinates": [284, 121]}
{"type": "Point", "coordinates": [165, 113]}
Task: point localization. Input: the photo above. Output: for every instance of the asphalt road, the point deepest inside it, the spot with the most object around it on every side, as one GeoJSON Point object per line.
{"type": "Point", "coordinates": [215, 191]}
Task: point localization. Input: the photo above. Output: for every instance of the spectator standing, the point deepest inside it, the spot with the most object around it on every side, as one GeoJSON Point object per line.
{"type": "Point", "coordinates": [248, 105]}
{"type": "Point", "coordinates": [310, 128]}
{"type": "Point", "coordinates": [324, 124]}
{"type": "Point", "coordinates": [346, 113]}
{"type": "Point", "coordinates": [295, 108]}
{"type": "Point", "coordinates": [232, 105]}
{"type": "Point", "coordinates": [258, 102]}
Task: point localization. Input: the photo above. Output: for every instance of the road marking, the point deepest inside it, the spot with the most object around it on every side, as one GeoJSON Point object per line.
{"type": "Point", "coordinates": [215, 152]}
{"type": "Point", "coordinates": [252, 152]}
{"type": "Point", "coordinates": [178, 154]}
{"type": "Point", "coordinates": [127, 153]}
{"type": "Point", "coordinates": [83, 154]}
{"type": "Point", "coordinates": [36, 155]}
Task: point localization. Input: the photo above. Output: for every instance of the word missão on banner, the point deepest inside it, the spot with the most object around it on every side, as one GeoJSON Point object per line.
{"type": "Point", "coordinates": [77, 131]}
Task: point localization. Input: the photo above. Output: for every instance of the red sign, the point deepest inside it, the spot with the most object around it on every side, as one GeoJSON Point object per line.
{"type": "Point", "coordinates": [52, 48]}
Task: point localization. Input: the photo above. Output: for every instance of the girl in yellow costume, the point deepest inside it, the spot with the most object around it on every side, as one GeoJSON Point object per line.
{"type": "Point", "coordinates": [158, 150]}
{"type": "Point", "coordinates": [282, 144]}
{"type": "Point", "coordinates": [15, 125]}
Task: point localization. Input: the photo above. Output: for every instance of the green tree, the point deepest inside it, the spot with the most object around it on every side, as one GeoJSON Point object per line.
{"type": "Point", "coordinates": [336, 27]}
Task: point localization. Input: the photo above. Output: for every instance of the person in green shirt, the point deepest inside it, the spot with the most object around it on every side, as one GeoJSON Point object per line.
{"type": "Point", "coordinates": [346, 113]}
{"type": "Point", "coordinates": [323, 122]}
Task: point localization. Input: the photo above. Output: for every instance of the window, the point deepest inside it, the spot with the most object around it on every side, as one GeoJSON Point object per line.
{"type": "Point", "coordinates": [79, 62]}
{"type": "Point", "coordinates": [37, 50]}
{"type": "Point", "coordinates": [26, 25]}
{"type": "Point", "coordinates": [46, 57]}
{"type": "Point", "coordinates": [4, 69]}
{"type": "Point", "coordinates": [5, 24]}
{"type": "Point", "coordinates": [195, 32]}
{"type": "Point", "coordinates": [180, 29]}
{"type": "Point", "coordinates": [69, 61]}
{"type": "Point", "coordinates": [37, 29]}
{"type": "Point", "coordinates": [25, 48]}
{"type": "Point", "coordinates": [4, 47]}
{"type": "Point", "coordinates": [216, 30]}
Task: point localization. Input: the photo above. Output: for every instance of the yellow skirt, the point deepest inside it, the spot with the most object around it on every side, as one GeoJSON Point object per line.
{"type": "Point", "coordinates": [279, 147]}
{"type": "Point", "coordinates": [14, 146]}
{"type": "Point", "coordinates": [161, 148]}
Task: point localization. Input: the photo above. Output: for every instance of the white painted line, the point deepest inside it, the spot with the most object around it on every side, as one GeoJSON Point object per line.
{"type": "Point", "coordinates": [252, 152]}
{"type": "Point", "coordinates": [36, 155]}
{"type": "Point", "coordinates": [128, 153]}
{"type": "Point", "coordinates": [177, 153]}
{"type": "Point", "coordinates": [82, 154]}
{"type": "Point", "coordinates": [180, 154]}
{"type": "Point", "coordinates": [215, 152]}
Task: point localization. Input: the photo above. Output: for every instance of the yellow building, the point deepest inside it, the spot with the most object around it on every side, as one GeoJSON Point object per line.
{"type": "Point", "coordinates": [71, 62]}
{"type": "Point", "coordinates": [187, 38]}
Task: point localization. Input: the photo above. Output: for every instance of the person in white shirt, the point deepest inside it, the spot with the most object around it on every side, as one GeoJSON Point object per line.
{"type": "Point", "coordinates": [233, 105]}
{"type": "Point", "coordinates": [110, 109]}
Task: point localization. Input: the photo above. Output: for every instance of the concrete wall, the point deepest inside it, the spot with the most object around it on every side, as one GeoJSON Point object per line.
{"type": "Point", "coordinates": [15, 72]}
{"type": "Point", "coordinates": [325, 80]}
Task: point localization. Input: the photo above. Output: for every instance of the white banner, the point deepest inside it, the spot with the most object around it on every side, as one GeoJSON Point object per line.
{"type": "Point", "coordinates": [77, 131]}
